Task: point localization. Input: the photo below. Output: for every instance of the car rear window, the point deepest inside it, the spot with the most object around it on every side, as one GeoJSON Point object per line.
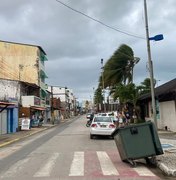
{"type": "Point", "coordinates": [102, 119]}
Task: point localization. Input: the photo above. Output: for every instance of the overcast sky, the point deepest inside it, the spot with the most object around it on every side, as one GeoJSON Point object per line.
{"type": "Point", "coordinates": [76, 44]}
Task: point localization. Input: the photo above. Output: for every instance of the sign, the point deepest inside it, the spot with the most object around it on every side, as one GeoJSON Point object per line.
{"type": "Point", "coordinates": [158, 37]}
{"type": "Point", "coordinates": [111, 101]}
{"type": "Point", "coordinates": [25, 124]}
{"type": "Point", "coordinates": [36, 101]}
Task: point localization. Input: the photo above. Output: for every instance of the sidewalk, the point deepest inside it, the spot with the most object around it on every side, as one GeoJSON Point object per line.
{"type": "Point", "coordinates": [11, 138]}
{"type": "Point", "coordinates": [167, 161]}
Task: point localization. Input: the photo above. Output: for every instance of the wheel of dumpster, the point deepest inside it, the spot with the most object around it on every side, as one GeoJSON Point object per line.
{"type": "Point", "coordinates": [151, 161]}
{"type": "Point", "coordinates": [132, 163]}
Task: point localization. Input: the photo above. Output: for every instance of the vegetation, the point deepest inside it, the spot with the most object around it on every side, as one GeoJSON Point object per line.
{"type": "Point", "coordinates": [118, 78]}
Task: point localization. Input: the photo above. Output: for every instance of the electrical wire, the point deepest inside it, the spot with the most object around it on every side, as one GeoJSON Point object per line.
{"type": "Point", "coordinates": [100, 22]}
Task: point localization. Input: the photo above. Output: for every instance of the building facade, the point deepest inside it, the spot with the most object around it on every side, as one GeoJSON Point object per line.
{"type": "Point", "coordinates": [165, 97]}
{"type": "Point", "coordinates": [24, 64]}
{"type": "Point", "coordinates": [67, 100]}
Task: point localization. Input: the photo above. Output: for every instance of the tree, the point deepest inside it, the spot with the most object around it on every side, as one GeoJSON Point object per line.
{"type": "Point", "coordinates": [98, 97]}
{"type": "Point", "coordinates": [128, 94]}
{"type": "Point", "coordinates": [119, 68]}
{"type": "Point", "coordinates": [145, 86]}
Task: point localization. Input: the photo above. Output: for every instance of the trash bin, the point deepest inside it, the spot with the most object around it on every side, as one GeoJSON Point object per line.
{"type": "Point", "coordinates": [138, 141]}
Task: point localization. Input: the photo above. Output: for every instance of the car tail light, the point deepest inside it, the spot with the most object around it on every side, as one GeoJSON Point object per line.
{"type": "Point", "coordinates": [111, 126]}
{"type": "Point", "coordinates": [94, 125]}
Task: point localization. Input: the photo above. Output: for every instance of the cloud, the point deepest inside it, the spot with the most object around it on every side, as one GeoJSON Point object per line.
{"type": "Point", "coordinates": [75, 44]}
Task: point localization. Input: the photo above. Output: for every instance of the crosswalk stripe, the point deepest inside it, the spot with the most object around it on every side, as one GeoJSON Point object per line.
{"type": "Point", "coordinates": [106, 164]}
{"type": "Point", "coordinates": [77, 165]}
{"type": "Point", "coordinates": [97, 163]}
{"type": "Point", "coordinates": [15, 168]}
{"type": "Point", "coordinates": [143, 171]}
{"type": "Point", "coordinates": [45, 171]}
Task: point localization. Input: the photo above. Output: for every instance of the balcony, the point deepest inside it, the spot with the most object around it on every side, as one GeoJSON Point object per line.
{"type": "Point", "coordinates": [28, 101]}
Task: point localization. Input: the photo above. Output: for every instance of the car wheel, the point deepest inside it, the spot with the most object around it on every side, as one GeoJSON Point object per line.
{"type": "Point", "coordinates": [111, 137]}
{"type": "Point", "coordinates": [91, 136]}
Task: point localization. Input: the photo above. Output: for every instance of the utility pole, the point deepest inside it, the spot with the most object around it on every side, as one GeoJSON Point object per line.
{"type": "Point", "coordinates": [52, 108]}
{"type": "Point", "coordinates": [102, 75]}
{"type": "Point", "coordinates": [150, 66]}
{"type": "Point", "coordinates": [93, 102]}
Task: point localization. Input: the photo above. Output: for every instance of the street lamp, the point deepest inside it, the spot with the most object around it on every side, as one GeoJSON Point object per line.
{"type": "Point", "coordinates": [93, 99]}
{"type": "Point", "coordinates": [102, 75]}
{"type": "Point", "coordinates": [156, 38]}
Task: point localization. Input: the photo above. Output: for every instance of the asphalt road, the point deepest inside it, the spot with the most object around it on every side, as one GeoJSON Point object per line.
{"type": "Point", "coordinates": [67, 152]}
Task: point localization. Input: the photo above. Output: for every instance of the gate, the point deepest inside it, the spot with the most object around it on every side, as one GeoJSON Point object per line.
{"type": "Point", "coordinates": [3, 122]}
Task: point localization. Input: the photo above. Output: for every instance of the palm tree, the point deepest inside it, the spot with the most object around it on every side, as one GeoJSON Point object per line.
{"type": "Point", "coordinates": [119, 68]}
{"type": "Point", "coordinates": [98, 97]}
{"type": "Point", "coordinates": [145, 86]}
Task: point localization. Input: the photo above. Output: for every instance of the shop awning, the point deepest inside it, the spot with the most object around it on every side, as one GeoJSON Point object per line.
{"type": "Point", "coordinates": [4, 105]}
{"type": "Point", "coordinates": [38, 108]}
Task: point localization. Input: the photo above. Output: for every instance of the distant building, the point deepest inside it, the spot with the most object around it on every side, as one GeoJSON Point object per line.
{"type": "Point", "coordinates": [67, 99]}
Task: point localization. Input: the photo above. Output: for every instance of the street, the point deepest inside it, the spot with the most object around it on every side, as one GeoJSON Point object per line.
{"type": "Point", "coordinates": [67, 152]}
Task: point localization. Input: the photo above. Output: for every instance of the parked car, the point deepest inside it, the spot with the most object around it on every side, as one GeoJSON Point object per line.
{"type": "Point", "coordinates": [102, 125]}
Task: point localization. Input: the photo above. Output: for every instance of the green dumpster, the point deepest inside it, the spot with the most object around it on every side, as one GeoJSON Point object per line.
{"type": "Point", "coordinates": [138, 141]}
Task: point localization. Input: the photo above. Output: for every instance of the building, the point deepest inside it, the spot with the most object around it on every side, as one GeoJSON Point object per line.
{"type": "Point", "coordinates": [165, 96]}
{"type": "Point", "coordinates": [67, 100]}
{"type": "Point", "coordinates": [24, 64]}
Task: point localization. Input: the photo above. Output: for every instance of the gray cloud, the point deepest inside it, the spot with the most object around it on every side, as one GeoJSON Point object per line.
{"type": "Point", "coordinates": [75, 44]}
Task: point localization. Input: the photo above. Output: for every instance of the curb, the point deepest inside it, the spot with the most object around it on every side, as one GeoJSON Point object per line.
{"type": "Point", "coordinates": [9, 142]}
{"type": "Point", "coordinates": [166, 170]}
{"type": "Point", "coordinates": [17, 139]}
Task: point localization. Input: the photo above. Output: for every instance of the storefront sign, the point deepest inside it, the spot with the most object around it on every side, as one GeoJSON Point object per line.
{"type": "Point", "coordinates": [36, 101]}
{"type": "Point", "coordinates": [25, 124]}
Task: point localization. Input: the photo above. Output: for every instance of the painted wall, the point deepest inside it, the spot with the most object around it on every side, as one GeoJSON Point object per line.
{"type": "Point", "coordinates": [167, 115]}
{"type": "Point", "coordinates": [19, 62]}
{"type": "Point", "coordinates": [3, 122]}
{"type": "Point", "coordinates": [12, 120]}
{"type": "Point", "coordinates": [60, 92]}
{"type": "Point", "coordinates": [9, 90]}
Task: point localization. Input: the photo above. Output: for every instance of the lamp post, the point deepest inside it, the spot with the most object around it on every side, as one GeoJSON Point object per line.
{"type": "Point", "coordinates": [102, 75]}
{"type": "Point", "coordinates": [156, 38]}
{"type": "Point", "coordinates": [93, 99]}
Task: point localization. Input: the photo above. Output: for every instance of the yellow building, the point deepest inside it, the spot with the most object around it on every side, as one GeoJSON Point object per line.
{"type": "Point", "coordinates": [22, 62]}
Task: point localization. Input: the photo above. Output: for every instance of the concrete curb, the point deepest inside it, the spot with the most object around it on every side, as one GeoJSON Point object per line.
{"type": "Point", "coordinates": [9, 142]}
{"type": "Point", "coordinates": [17, 139]}
{"type": "Point", "coordinates": [165, 169]}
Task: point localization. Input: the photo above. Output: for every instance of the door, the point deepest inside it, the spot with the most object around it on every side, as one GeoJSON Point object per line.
{"type": "Point", "coordinates": [3, 122]}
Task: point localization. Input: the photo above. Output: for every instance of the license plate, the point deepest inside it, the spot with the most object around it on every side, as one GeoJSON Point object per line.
{"type": "Point", "coordinates": [103, 125]}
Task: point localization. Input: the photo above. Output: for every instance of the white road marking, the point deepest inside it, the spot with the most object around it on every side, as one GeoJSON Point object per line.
{"type": "Point", "coordinates": [106, 164]}
{"type": "Point", "coordinates": [143, 171]}
{"type": "Point", "coordinates": [77, 166]}
{"type": "Point", "coordinates": [45, 171]}
{"type": "Point", "coordinates": [15, 168]}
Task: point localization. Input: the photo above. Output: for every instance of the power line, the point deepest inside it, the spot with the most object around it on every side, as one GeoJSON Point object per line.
{"type": "Point", "coordinates": [100, 22]}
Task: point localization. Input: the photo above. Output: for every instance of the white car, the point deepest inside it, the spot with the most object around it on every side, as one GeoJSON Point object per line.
{"type": "Point", "coordinates": [102, 125]}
